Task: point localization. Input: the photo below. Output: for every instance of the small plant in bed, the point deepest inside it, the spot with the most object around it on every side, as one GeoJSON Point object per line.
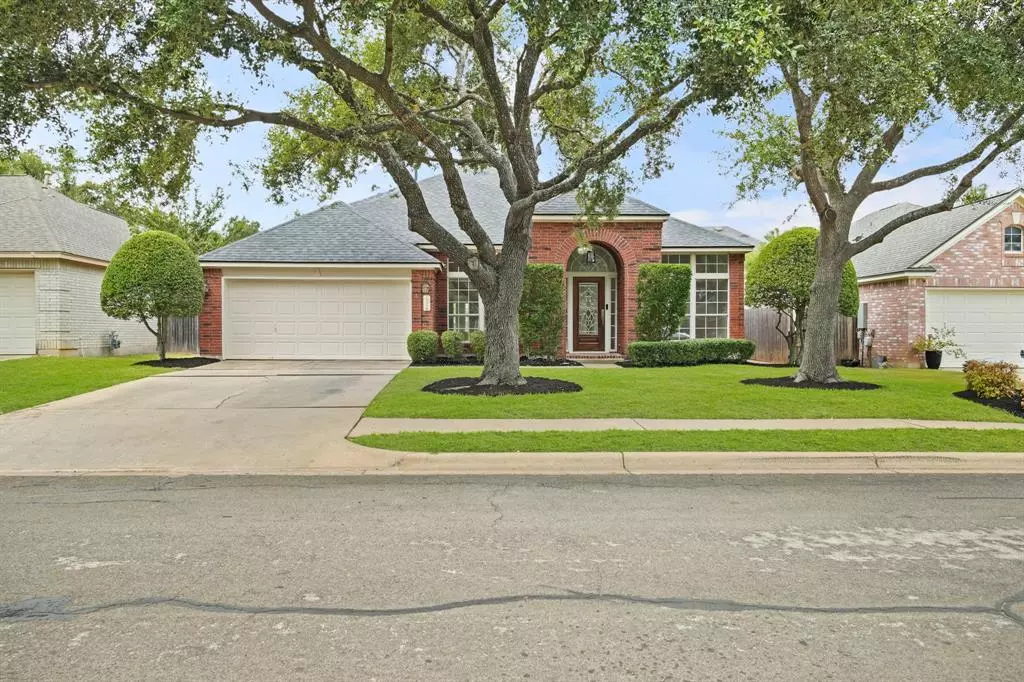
{"type": "Point", "coordinates": [995, 384]}
{"type": "Point", "coordinates": [689, 352]}
{"type": "Point", "coordinates": [471, 386]}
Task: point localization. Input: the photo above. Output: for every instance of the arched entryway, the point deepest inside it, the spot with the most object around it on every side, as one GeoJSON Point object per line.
{"type": "Point", "coordinates": [593, 300]}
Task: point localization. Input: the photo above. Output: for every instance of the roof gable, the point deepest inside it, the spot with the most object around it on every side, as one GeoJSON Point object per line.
{"type": "Point", "coordinates": [678, 233]}
{"type": "Point", "coordinates": [36, 218]}
{"type": "Point", "coordinates": [908, 246]}
{"type": "Point", "coordinates": [335, 233]}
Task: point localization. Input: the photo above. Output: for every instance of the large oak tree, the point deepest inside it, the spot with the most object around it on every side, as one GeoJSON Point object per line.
{"type": "Point", "coordinates": [453, 84]}
{"type": "Point", "coordinates": [861, 80]}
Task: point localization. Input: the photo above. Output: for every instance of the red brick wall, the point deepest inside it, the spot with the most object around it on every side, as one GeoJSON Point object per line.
{"type": "Point", "coordinates": [737, 314]}
{"type": "Point", "coordinates": [896, 309]}
{"type": "Point", "coordinates": [632, 243]}
{"type": "Point", "coordinates": [210, 319]}
{"type": "Point", "coordinates": [437, 318]}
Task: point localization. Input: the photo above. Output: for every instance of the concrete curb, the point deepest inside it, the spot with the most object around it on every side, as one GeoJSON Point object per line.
{"type": "Point", "coordinates": [606, 463]}
{"type": "Point", "coordinates": [371, 425]}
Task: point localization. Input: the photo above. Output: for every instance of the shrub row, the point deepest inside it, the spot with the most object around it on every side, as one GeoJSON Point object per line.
{"type": "Point", "coordinates": [423, 345]}
{"type": "Point", "coordinates": [992, 380]}
{"type": "Point", "coordinates": [689, 352]}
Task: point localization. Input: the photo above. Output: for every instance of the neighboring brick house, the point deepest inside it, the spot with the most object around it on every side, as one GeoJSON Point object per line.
{"type": "Point", "coordinates": [276, 294]}
{"type": "Point", "coordinates": [53, 253]}
{"type": "Point", "coordinates": [962, 269]}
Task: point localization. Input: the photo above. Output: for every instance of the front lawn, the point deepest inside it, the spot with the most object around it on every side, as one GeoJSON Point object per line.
{"type": "Point", "coordinates": [37, 380]}
{"type": "Point", "coordinates": [746, 440]}
{"type": "Point", "coordinates": [704, 392]}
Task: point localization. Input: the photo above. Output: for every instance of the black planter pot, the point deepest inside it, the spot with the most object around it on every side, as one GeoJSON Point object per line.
{"type": "Point", "coordinates": [933, 358]}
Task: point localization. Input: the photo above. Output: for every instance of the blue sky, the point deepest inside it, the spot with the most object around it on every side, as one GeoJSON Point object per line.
{"type": "Point", "coordinates": [699, 188]}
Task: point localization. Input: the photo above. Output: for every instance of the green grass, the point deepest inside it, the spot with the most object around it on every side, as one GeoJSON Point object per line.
{"type": "Point", "coordinates": [37, 380]}
{"type": "Point", "coordinates": [820, 440]}
{"type": "Point", "coordinates": [704, 392]}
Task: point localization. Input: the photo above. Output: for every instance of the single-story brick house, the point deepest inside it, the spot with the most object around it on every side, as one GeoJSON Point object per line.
{"type": "Point", "coordinates": [351, 280]}
{"type": "Point", "coordinates": [53, 253]}
{"type": "Point", "coordinates": [963, 269]}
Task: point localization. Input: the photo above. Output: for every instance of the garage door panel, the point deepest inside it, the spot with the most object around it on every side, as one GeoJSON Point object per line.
{"type": "Point", "coordinates": [17, 313]}
{"type": "Point", "coordinates": [989, 324]}
{"type": "Point", "coordinates": [312, 320]}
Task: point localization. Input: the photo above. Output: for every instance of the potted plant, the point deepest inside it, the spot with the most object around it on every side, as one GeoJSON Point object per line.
{"type": "Point", "coordinates": [935, 344]}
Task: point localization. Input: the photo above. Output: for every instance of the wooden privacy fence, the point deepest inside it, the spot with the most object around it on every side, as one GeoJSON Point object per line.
{"type": "Point", "coordinates": [771, 345]}
{"type": "Point", "coordinates": [184, 335]}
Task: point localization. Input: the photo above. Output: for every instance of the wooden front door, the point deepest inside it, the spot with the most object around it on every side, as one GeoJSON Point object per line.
{"type": "Point", "coordinates": [588, 312]}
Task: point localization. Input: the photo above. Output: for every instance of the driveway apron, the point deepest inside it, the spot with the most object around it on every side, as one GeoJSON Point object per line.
{"type": "Point", "coordinates": [232, 416]}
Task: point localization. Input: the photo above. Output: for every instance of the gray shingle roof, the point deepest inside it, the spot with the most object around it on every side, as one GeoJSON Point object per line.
{"type": "Point", "coordinates": [568, 205]}
{"type": "Point", "coordinates": [333, 234]}
{"type": "Point", "coordinates": [36, 218]}
{"type": "Point", "coordinates": [908, 245]}
{"type": "Point", "coordinates": [678, 233]}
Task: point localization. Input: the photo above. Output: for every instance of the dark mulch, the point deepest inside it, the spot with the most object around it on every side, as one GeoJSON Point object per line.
{"type": "Point", "coordinates": [469, 386]}
{"type": "Point", "coordinates": [1011, 405]}
{"type": "Point", "coordinates": [445, 361]}
{"type": "Point", "coordinates": [179, 363]}
{"type": "Point", "coordinates": [787, 382]}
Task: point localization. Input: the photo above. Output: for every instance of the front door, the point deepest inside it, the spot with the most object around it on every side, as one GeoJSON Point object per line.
{"type": "Point", "coordinates": [588, 304]}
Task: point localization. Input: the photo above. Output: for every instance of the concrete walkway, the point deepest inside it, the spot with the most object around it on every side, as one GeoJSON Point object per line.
{"type": "Point", "coordinates": [368, 425]}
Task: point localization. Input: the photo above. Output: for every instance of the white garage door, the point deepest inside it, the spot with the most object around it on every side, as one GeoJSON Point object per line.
{"type": "Point", "coordinates": [306, 319]}
{"type": "Point", "coordinates": [17, 314]}
{"type": "Point", "coordinates": [989, 323]}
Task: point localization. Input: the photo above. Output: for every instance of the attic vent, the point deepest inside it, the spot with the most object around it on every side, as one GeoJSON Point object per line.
{"type": "Point", "coordinates": [718, 228]}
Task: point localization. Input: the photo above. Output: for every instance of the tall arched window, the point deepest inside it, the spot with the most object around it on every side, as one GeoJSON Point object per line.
{"type": "Point", "coordinates": [1013, 239]}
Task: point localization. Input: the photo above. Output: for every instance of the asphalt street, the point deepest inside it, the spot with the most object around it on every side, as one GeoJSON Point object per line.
{"type": "Point", "coordinates": [682, 578]}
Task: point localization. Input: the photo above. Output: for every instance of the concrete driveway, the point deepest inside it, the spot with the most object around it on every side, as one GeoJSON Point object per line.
{"type": "Point", "coordinates": [232, 416]}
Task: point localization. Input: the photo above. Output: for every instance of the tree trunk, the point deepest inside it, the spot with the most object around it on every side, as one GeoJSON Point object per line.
{"type": "Point", "coordinates": [796, 339]}
{"type": "Point", "coordinates": [818, 363]}
{"type": "Point", "coordinates": [161, 337]}
{"type": "Point", "coordinates": [501, 319]}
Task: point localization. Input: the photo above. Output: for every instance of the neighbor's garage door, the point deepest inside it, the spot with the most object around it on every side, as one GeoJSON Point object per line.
{"type": "Point", "coordinates": [989, 323]}
{"type": "Point", "coordinates": [17, 313]}
{"type": "Point", "coordinates": [306, 319]}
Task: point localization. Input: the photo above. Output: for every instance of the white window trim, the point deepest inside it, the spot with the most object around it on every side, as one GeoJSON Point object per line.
{"type": "Point", "coordinates": [459, 274]}
{"type": "Point", "coordinates": [1020, 235]}
{"type": "Point", "coordinates": [692, 311]}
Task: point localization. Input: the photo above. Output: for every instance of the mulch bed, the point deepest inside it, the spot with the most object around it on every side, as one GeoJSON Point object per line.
{"type": "Point", "coordinates": [787, 382]}
{"type": "Point", "coordinates": [1011, 405]}
{"type": "Point", "coordinates": [470, 386]}
{"type": "Point", "coordinates": [179, 363]}
{"type": "Point", "coordinates": [445, 361]}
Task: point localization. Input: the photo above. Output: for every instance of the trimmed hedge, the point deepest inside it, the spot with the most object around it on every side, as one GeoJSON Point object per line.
{"type": "Point", "coordinates": [662, 295]}
{"type": "Point", "coordinates": [478, 343]}
{"type": "Point", "coordinates": [451, 343]}
{"type": "Point", "coordinates": [542, 309]}
{"type": "Point", "coordinates": [422, 345]}
{"type": "Point", "coordinates": [689, 352]}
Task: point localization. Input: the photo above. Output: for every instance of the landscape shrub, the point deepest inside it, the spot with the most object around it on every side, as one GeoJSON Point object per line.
{"type": "Point", "coordinates": [153, 276]}
{"type": "Point", "coordinates": [662, 295]}
{"type": "Point", "coordinates": [689, 352]}
{"type": "Point", "coordinates": [478, 344]}
{"type": "Point", "coordinates": [992, 380]}
{"type": "Point", "coordinates": [422, 346]}
{"type": "Point", "coordinates": [542, 309]}
{"type": "Point", "coordinates": [451, 343]}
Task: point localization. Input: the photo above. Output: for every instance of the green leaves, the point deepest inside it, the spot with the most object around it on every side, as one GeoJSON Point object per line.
{"type": "Point", "coordinates": [662, 297]}
{"type": "Point", "coordinates": [153, 275]}
{"type": "Point", "coordinates": [542, 309]}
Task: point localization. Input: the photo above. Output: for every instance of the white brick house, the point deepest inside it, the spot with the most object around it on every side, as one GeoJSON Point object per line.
{"type": "Point", "coordinates": [53, 253]}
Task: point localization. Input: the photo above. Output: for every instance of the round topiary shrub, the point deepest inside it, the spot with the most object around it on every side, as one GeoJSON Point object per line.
{"type": "Point", "coordinates": [422, 346]}
{"type": "Point", "coordinates": [451, 343]}
{"type": "Point", "coordinates": [478, 343]}
{"type": "Point", "coordinates": [153, 276]}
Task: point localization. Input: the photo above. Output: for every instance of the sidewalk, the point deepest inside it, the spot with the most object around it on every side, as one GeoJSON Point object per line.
{"type": "Point", "coordinates": [370, 425]}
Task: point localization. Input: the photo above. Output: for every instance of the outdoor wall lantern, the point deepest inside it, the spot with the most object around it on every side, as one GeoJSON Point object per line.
{"type": "Point", "coordinates": [425, 290]}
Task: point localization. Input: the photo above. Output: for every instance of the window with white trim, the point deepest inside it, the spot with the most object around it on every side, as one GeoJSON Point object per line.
{"type": "Point", "coordinates": [708, 313]}
{"type": "Point", "coordinates": [465, 310]}
{"type": "Point", "coordinates": [1013, 239]}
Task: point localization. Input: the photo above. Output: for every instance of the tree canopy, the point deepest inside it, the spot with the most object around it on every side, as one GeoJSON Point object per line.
{"type": "Point", "coordinates": [453, 84]}
{"type": "Point", "coordinates": [857, 83]}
